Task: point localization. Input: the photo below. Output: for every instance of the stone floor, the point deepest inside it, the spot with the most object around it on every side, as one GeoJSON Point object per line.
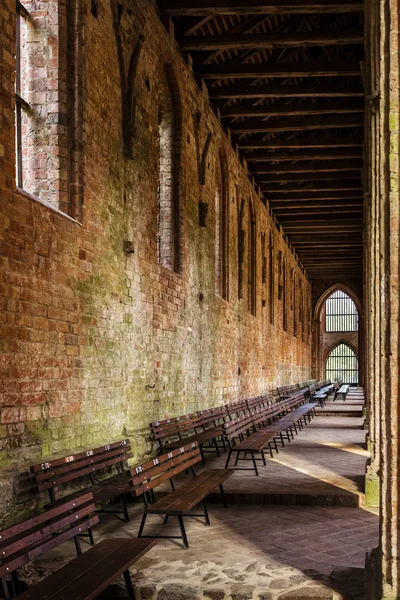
{"type": "Point", "coordinates": [265, 546]}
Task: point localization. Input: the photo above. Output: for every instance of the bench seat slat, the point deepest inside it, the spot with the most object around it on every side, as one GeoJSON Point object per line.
{"type": "Point", "coordinates": [188, 495]}
{"type": "Point", "coordinates": [86, 576]}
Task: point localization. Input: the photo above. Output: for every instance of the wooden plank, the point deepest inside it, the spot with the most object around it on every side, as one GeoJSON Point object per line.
{"type": "Point", "coordinates": [267, 70]}
{"type": "Point", "coordinates": [348, 181]}
{"type": "Point", "coordinates": [259, 41]}
{"type": "Point", "coordinates": [293, 109]}
{"type": "Point", "coordinates": [335, 167]}
{"type": "Point", "coordinates": [201, 8]}
{"type": "Point", "coordinates": [290, 214]}
{"type": "Point", "coordinates": [312, 142]}
{"type": "Point", "coordinates": [288, 199]}
{"type": "Point", "coordinates": [328, 90]}
{"type": "Point", "coordinates": [308, 155]}
{"type": "Point", "coordinates": [278, 125]}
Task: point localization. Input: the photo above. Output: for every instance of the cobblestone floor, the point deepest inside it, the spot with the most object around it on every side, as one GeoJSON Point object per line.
{"type": "Point", "coordinates": [257, 550]}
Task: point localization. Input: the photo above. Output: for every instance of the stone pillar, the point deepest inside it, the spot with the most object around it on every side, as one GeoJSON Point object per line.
{"type": "Point", "coordinates": [383, 230]}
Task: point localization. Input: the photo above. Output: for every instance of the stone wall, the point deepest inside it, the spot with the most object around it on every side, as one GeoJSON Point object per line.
{"type": "Point", "coordinates": [96, 342]}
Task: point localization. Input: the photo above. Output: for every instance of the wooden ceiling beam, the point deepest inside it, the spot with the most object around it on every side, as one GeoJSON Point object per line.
{"type": "Point", "coordinates": [286, 70]}
{"type": "Point", "coordinates": [309, 155]}
{"type": "Point", "coordinates": [323, 195]}
{"type": "Point", "coordinates": [314, 123]}
{"type": "Point", "coordinates": [293, 109]}
{"type": "Point", "coordinates": [347, 165]}
{"type": "Point", "coordinates": [202, 8]}
{"type": "Point", "coordinates": [329, 90]}
{"type": "Point", "coordinates": [315, 142]}
{"type": "Point", "coordinates": [308, 184]}
{"type": "Point", "coordinates": [261, 41]}
{"type": "Point", "coordinates": [293, 214]}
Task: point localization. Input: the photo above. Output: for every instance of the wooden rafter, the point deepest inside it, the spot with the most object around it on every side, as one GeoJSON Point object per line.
{"type": "Point", "coordinates": [294, 109]}
{"type": "Point", "coordinates": [276, 70]}
{"type": "Point", "coordinates": [313, 142]}
{"type": "Point", "coordinates": [201, 8]}
{"type": "Point", "coordinates": [258, 41]}
{"type": "Point", "coordinates": [309, 155]}
{"type": "Point", "coordinates": [346, 165]}
{"type": "Point", "coordinates": [287, 91]}
{"type": "Point", "coordinates": [277, 125]}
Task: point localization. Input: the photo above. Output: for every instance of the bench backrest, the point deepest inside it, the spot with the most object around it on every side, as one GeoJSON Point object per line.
{"type": "Point", "coordinates": [175, 426]}
{"type": "Point", "coordinates": [148, 475]}
{"type": "Point", "coordinates": [238, 426]}
{"type": "Point", "coordinates": [235, 409]}
{"type": "Point", "coordinates": [29, 539]}
{"type": "Point", "coordinates": [286, 390]}
{"type": "Point", "coordinates": [52, 473]}
{"type": "Point", "coordinates": [212, 416]}
{"type": "Point", "coordinates": [256, 402]}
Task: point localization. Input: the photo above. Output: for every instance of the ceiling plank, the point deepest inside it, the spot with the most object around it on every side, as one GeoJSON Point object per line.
{"type": "Point", "coordinates": [353, 90]}
{"type": "Point", "coordinates": [310, 187]}
{"type": "Point", "coordinates": [260, 41]}
{"type": "Point", "coordinates": [347, 165]}
{"type": "Point", "coordinates": [293, 109]}
{"type": "Point", "coordinates": [315, 142]}
{"type": "Point", "coordinates": [202, 8]}
{"type": "Point", "coordinates": [307, 196]}
{"type": "Point", "coordinates": [276, 125]}
{"type": "Point", "coordinates": [294, 156]}
{"type": "Point", "coordinates": [286, 70]}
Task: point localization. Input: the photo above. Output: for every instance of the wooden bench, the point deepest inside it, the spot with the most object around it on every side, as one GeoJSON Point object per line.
{"type": "Point", "coordinates": [86, 576]}
{"type": "Point", "coordinates": [342, 391]}
{"type": "Point", "coordinates": [255, 436]}
{"type": "Point", "coordinates": [180, 501]}
{"type": "Point", "coordinates": [58, 472]}
{"type": "Point", "coordinates": [237, 409]}
{"type": "Point", "coordinates": [186, 429]}
{"type": "Point", "coordinates": [287, 390]}
{"type": "Point", "coordinates": [31, 538]}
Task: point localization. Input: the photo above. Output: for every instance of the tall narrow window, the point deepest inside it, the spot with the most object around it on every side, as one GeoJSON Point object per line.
{"type": "Point", "coordinates": [221, 227]}
{"type": "Point", "coordinates": [20, 103]}
{"type": "Point", "coordinates": [169, 142]}
{"type": "Point", "coordinates": [241, 246]}
{"type": "Point", "coordinates": [342, 364]}
{"type": "Point", "coordinates": [284, 296]}
{"type": "Point", "coordinates": [252, 257]}
{"type": "Point", "coordinates": [294, 305]}
{"type": "Point", "coordinates": [271, 279]}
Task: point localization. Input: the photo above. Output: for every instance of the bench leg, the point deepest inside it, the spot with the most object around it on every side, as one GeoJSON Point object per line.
{"type": "Point", "coordinates": [276, 446]}
{"type": "Point", "coordinates": [203, 460]}
{"type": "Point", "coordinates": [216, 446]}
{"type": "Point", "coordinates": [128, 585]}
{"type": "Point", "coordinates": [183, 531]}
{"type": "Point", "coordinates": [221, 489]}
{"type": "Point", "coordinates": [166, 519]}
{"type": "Point", "coordinates": [254, 463]}
{"type": "Point", "coordinates": [142, 524]}
{"type": "Point", "coordinates": [90, 532]}
{"type": "Point", "coordinates": [77, 545]}
{"type": "Point", "coordinates": [237, 458]}
{"type": "Point", "coordinates": [229, 458]}
{"type": "Point", "coordinates": [282, 442]}
{"type": "Point", "coordinates": [6, 592]}
{"type": "Point", "coordinates": [206, 517]}
{"type": "Point", "coordinates": [263, 458]}
{"type": "Point", "coordinates": [125, 508]}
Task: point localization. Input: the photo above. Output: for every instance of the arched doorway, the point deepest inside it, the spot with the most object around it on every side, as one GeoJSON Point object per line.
{"type": "Point", "coordinates": [342, 364]}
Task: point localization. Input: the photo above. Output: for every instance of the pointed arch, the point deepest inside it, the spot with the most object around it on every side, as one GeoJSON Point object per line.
{"type": "Point", "coordinates": [222, 226]}
{"type": "Point", "coordinates": [341, 363]}
{"type": "Point", "coordinates": [169, 167]}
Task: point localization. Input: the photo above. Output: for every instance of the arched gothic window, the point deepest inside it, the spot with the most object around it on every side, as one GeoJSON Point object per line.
{"type": "Point", "coordinates": [340, 313]}
{"type": "Point", "coordinates": [342, 364]}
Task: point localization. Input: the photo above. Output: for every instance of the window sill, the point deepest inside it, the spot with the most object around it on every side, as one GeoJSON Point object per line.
{"type": "Point", "coordinates": [48, 205]}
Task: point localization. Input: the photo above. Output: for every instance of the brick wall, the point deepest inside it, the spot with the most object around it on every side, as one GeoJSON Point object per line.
{"type": "Point", "coordinates": [96, 343]}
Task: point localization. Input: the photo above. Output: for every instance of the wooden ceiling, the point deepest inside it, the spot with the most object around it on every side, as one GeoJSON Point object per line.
{"type": "Point", "coordinates": [285, 77]}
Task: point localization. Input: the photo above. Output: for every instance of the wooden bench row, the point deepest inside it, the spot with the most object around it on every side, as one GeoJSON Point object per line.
{"type": "Point", "coordinates": [255, 433]}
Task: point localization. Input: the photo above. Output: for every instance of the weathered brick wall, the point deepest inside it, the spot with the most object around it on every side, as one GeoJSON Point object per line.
{"type": "Point", "coordinates": [95, 343]}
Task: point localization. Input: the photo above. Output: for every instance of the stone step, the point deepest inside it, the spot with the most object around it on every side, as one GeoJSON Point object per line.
{"type": "Point", "coordinates": [345, 499]}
